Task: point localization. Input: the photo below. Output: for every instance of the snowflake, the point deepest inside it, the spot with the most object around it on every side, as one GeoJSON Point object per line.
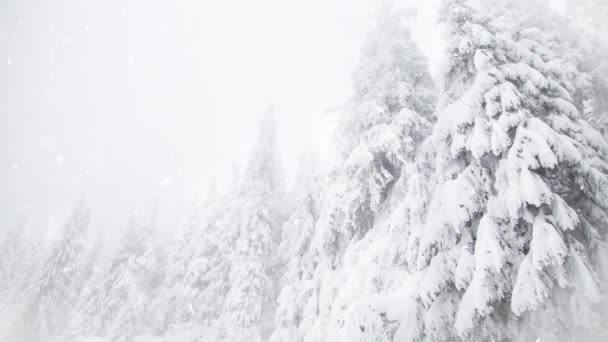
{"type": "Point", "coordinates": [166, 182]}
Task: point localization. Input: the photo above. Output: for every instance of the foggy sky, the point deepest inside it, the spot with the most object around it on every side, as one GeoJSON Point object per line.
{"type": "Point", "coordinates": [140, 104]}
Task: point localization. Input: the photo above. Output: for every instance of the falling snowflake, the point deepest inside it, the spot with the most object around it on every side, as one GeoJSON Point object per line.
{"type": "Point", "coordinates": [166, 182]}
{"type": "Point", "coordinates": [59, 159]}
{"type": "Point", "coordinates": [46, 143]}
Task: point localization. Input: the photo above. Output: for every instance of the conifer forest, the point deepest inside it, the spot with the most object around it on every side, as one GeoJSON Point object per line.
{"type": "Point", "coordinates": [461, 193]}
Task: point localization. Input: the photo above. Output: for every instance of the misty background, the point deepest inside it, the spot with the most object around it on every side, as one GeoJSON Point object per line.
{"type": "Point", "coordinates": [137, 105]}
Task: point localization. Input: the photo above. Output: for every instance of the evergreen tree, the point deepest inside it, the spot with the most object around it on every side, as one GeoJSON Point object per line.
{"type": "Point", "coordinates": [11, 254]}
{"type": "Point", "coordinates": [521, 198]}
{"type": "Point", "coordinates": [55, 283]}
{"type": "Point", "coordinates": [578, 39]}
{"type": "Point", "coordinates": [171, 307]}
{"type": "Point", "coordinates": [391, 91]}
{"type": "Point", "coordinates": [90, 312]}
{"type": "Point", "coordinates": [130, 281]}
{"type": "Point", "coordinates": [591, 43]}
{"type": "Point", "coordinates": [195, 284]}
{"type": "Point", "coordinates": [247, 238]}
{"type": "Point", "coordinates": [126, 301]}
{"type": "Point", "coordinates": [17, 312]}
{"type": "Point", "coordinates": [382, 184]}
{"type": "Point", "coordinates": [295, 264]}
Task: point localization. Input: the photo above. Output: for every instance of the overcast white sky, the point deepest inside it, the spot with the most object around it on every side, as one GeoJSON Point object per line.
{"type": "Point", "coordinates": [141, 103]}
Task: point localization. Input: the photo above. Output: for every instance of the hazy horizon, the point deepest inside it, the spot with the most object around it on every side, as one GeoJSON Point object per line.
{"type": "Point", "coordinates": [139, 107]}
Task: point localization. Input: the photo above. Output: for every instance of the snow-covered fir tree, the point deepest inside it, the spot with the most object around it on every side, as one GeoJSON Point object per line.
{"type": "Point", "coordinates": [89, 312]}
{"type": "Point", "coordinates": [296, 266]}
{"type": "Point", "coordinates": [11, 255]}
{"type": "Point", "coordinates": [391, 88]}
{"type": "Point", "coordinates": [92, 257]}
{"type": "Point", "coordinates": [16, 316]}
{"type": "Point", "coordinates": [578, 39]}
{"type": "Point", "coordinates": [195, 284]}
{"type": "Point", "coordinates": [89, 318]}
{"type": "Point", "coordinates": [172, 308]}
{"type": "Point", "coordinates": [17, 311]}
{"type": "Point", "coordinates": [130, 282]}
{"type": "Point", "coordinates": [50, 292]}
{"type": "Point", "coordinates": [521, 200]}
{"type": "Point", "coordinates": [380, 177]}
{"type": "Point", "coordinates": [592, 54]}
{"type": "Point", "coordinates": [249, 230]}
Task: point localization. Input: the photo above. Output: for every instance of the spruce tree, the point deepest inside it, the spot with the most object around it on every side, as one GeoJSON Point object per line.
{"type": "Point", "coordinates": [129, 282]}
{"type": "Point", "coordinates": [11, 254]}
{"type": "Point", "coordinates": [18, 311]}
{"type": "Point", "coordinates": [249, 229]}
{"type": "Point", "coordinates": [378, 193]}
{"type": "Point", "coordinates": [522, 193]}
{"type": "Point", "coordinates": [293, 257]}
{"type": "Point", "coordinates": [90, 312]}
{"type": "Point", "coordinates": [393, 94]}
{"type": "Point", "coordinates": [578, 37]}
{"type": "Point", "coordinates": [55, 285]}
{"type": "Point", "coordinates": [195, 284]}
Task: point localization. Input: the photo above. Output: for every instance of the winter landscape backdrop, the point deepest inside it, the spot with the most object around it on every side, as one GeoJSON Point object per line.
{"type": "Point", "coordinates": [416, 171]}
